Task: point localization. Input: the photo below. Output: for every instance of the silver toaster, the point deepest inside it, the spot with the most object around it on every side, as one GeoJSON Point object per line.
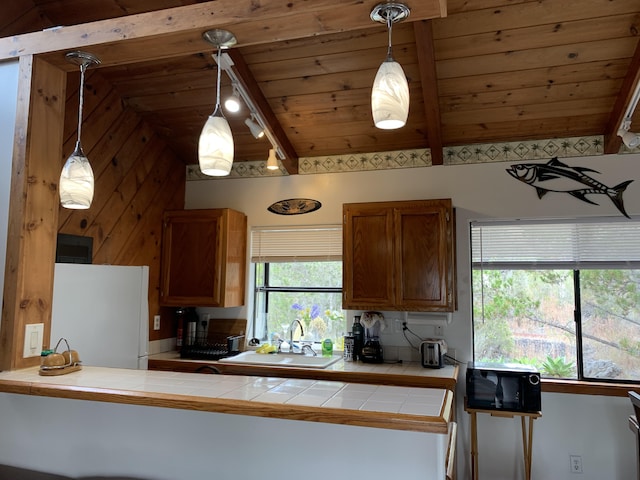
{"type": "Point", "coordinates": [431, 354]}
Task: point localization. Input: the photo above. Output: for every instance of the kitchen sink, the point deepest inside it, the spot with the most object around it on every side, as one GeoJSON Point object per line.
{"type": "Point", "coordinates": [281, 360]}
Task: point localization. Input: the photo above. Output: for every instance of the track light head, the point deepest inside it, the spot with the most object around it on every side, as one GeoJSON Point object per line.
{"type": "Point", "coordinates": [256, 130]}
{"type": "Point", "coordinates": [232, 103]}
{"type": "Point", "coordinates": [630, 139]}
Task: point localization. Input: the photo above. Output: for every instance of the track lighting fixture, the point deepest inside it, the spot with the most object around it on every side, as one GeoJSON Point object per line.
{"type": "Point", "coordinates": [390, 93]}
{"type": "Point", "coordinates": [215, 148]}
{"type": "Point", "coordinates": [256, 130]}
{"type": "Point", "coordinates": [76, 179]}
{"type": "Point", "coordinates": [232, 103]}
{"type": "Point", "coordinates": [630, 139]}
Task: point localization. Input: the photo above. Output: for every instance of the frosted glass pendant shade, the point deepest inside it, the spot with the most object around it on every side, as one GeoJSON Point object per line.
{"type": "Point", "coordinates": [390, 96]}
{"type": "Point", "coordinates": [76, 182]}
{"type": "Point", "coordinates": [215, 148]}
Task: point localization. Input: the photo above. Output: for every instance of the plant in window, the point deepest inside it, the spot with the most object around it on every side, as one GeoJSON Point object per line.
{"type": "Point", "coordinates": [528, 361]}
{"type": "Point", "coordinates": [336, 317]}
{"type": "Point", "coordinates": [630, 346]}
{"type": "Point", "coordinates": [311, 320]}
{"type": "Point", "coordinates": [316, 326]}
{"type": "Point", "coordinates": [557, 367]}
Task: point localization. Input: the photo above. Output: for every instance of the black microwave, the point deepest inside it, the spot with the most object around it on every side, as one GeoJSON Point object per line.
{"type": "Point", "coordinates": [512, 387]}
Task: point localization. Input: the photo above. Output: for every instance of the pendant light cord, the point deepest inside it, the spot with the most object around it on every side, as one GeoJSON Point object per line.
{"type": "Point", "coordinates": [389, 28]}
{"type": "Point", "coordinates": [218, 82]}
{"type": "Point", "coordinates": [83, 68]}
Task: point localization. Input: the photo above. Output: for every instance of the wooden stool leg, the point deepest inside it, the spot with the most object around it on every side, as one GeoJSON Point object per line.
{"type": "Point", "coordinates": [524, 448]}
{"type": "Point", "coordinates": [474, 447]}
{"type": "Point", "coordinates": [527, 445]}
{"type": "Point", "coordinates": [530, 447]}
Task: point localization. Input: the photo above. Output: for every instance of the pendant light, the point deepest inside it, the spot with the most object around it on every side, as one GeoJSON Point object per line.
{"type": "Point", "coordinates": [76, 178]}
{"type": "Point", "coordinates": [390, 93]}
{"type": "Point", "coordinates": [272, 161]}
{"type": "Point", "coordinates": [215, 147]}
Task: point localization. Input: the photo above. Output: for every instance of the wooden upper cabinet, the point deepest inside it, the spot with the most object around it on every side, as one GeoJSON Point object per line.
{"type": "Point", "coordinates": [399, 256]}
{"type": "Point", "coordinates": [203, 258]}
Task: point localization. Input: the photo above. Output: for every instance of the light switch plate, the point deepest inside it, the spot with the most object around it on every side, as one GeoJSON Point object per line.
{"type": "Point", "coordinates": [33, 337]}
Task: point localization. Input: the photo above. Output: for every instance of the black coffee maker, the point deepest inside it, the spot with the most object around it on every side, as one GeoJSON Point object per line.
{"type": "Point", "coordinates": [372, 351]}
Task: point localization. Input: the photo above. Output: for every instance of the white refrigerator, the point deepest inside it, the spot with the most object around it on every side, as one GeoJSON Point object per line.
{"type": "Point", "coordinates": [103, 312]}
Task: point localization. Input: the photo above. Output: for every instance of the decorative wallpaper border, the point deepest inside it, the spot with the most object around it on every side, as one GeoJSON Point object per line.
{"type": "Point", "coordinates": [459, 155]}
{"type": "Point", "coordinates": [526, 150]}
{"type": "Point", "coordinates": [365, 161]}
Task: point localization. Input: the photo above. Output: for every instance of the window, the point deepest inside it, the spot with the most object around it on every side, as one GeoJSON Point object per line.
{"type": "Point", "coordinates": [298, 276]}
{"type": "Point", "coordinates": [561, 295]}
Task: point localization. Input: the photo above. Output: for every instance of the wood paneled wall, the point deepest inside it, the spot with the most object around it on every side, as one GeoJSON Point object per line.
{"type": "Point", "coordinates": [137, 178]}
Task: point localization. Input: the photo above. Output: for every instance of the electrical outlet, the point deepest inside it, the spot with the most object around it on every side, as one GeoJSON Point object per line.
{"type": "Point", "coordinates": [33, 338]}
{"type": "Point", "coordinates": [576, 463]}
{"type": "Point", "coordinates": [156, 322]}
{"type": "Point", "coordinates": [397, 325]}
{"type": "Point", "coordinates": [438, 331]}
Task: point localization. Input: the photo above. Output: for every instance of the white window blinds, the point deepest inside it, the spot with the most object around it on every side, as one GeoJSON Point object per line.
{"type": "Point", "coordinates": [290, 244]}
{"type": "Point", "coordinates": [592, 243]}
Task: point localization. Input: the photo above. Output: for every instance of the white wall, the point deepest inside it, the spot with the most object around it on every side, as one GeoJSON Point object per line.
{"type": "Point", "coordinates": [593, 427]}
{"type": "Point", "coordinates": [82, 438]}
{"type": "Point", "coordinates": [8, 100]}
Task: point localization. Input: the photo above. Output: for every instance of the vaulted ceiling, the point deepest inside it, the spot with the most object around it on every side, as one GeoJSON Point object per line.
{"type": "Point", "coordinates": [487, 71]}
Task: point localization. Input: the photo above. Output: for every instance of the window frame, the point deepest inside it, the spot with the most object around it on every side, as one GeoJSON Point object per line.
{"type": "Point", "coordinates": [582, 385]}
{"type": "Point", "coordinates": [289, 244]}
{"type": "Point", "coordinates": [267, 289]}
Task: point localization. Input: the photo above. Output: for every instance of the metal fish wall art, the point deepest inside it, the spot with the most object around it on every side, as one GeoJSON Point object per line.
{"type": "Point", "coordinates": [555, 176]}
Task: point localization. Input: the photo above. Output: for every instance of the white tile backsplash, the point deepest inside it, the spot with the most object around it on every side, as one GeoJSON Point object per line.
{"type": "Point", "coordinates": [164, 345]}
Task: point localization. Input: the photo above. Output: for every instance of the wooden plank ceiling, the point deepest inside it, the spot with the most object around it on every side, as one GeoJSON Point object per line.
{"type": "Point", "coordinates": [490, 71]}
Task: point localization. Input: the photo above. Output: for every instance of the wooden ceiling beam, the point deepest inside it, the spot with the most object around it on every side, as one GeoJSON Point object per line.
{"type": "Point", "coordinates": [612, 142]}
{"type": "Point", "coordinates": [427, 65]}
{"type": "Point", "coordinates": [177, 31]}
{"type": "Point", "coordinates": [264, 111]}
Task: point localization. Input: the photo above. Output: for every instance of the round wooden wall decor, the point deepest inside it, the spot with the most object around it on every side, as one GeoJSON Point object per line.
{"type": "Point", "coordinates": [294, 206]}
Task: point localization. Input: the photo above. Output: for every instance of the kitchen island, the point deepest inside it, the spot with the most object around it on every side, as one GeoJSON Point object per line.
{"type": "Point", "coordinates": [239, 424]}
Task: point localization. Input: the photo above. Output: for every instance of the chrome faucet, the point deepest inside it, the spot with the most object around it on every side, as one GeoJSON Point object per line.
{"type": "Point", "coordinates": [305, 347]}
{"type": "Point", "coordinates": [292, 328]}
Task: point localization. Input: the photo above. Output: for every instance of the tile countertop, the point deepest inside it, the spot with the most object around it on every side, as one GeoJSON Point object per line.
{"type": "Point", "coordinates": [409, 374]}
{"type": "Point", "coordinates": [381, 406]}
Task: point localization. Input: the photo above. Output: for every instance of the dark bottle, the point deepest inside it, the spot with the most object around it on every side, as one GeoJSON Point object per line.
{"type": "Point", "coordinates": [190, 326]}
{"type": "Point", "coordinates": [358, 338]}
{"type": "Point", "coordinates": [180, 319]}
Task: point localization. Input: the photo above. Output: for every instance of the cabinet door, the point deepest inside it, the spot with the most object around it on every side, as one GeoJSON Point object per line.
{"type": "Point", "coordinates": [367, 259]}
{"type": "Point", "coordinates": [424, 256]}
{"type": "Point", "coordinates": [191, 273]}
